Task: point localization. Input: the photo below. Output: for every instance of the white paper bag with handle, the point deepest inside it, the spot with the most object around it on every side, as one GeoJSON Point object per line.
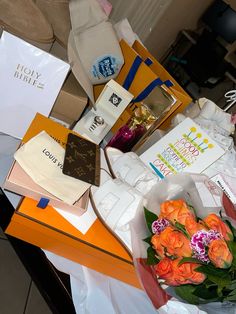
{"type": "Point", "coordinates": [42, 159]}
{"type": "Point", "coordinates": [30, 82]}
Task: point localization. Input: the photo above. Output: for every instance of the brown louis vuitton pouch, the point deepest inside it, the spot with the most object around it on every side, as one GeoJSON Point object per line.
{"type": "Point", "coordinates": [82, 160]}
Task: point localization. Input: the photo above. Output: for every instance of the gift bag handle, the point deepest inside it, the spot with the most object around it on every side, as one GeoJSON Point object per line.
{"type": "Point", "coordinates": [132, 72]}
{"type": "Point", "coordinates": [167, 83]}
{"type": "Point", "coordinates": [130, 77]}
{"type": "Point", "coordinates": [148, 90]}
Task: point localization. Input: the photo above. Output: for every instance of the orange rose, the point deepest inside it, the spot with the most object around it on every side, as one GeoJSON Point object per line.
{"type": "Point", "coordinates": [186, 274]}
{"type": "Point", "coordinates": [215, 223]}
{"type": "Point", "coordinates": [156, 243]}
{"type": "Point", "coordinates": [220, 254]}
{"type": "Point", "coordinates": [164, 268]}
{"type": "Point", "coordinates": [171, 242]}
{"type": "Point", "coordinates": [175, 275]}
{"type": "Point", "coordinates": [175, 210]}
{"type": "Point", "coordinates": [192, 226]}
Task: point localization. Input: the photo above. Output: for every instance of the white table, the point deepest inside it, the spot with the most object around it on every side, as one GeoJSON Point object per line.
{"type": "Point", "coordinates": [93, 292]}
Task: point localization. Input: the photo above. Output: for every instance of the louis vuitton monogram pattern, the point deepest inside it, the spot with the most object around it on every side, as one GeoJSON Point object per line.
{"type": "Point", "coordinates": [82, 160]}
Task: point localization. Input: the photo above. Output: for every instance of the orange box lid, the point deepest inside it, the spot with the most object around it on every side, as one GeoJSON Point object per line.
{"type": "Point", "coordinates": [97, 235]}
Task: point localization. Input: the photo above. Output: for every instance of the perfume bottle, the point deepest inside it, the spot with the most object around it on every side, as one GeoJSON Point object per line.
{"type": "Point", "coordinates": [129, 134]}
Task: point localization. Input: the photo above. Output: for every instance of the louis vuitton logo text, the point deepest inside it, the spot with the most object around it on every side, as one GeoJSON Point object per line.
{"type": "Point", "coordinates": [28, 76]}
{"type": "Point", "coordinates": [52, 158]}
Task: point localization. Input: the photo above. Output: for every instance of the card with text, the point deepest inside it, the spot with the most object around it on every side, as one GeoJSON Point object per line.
{"type": "Point", "coordinates": [186, 148]}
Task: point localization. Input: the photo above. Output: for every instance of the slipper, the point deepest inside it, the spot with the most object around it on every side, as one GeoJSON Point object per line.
{"type": "Point", "coordinates": [115, 202]}
{"type": "Point", "coordinates": [130, 168]}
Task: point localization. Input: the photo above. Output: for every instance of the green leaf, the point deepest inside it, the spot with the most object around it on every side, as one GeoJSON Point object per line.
{"type": "Point", "coordinates": [151, 256]}
{"type": "Point", "coordinates": [192, 208]}
{"type": "Point", "coordinates": [233, 292]}
{"type": "Point", "coordinates": [186, 293]}
{"type": "Point", "coordinates": [209, 283]}
{"type": "Point", "coordinates": [148, 240]}
{"type": "Point", "coordinates": [150, 218]}
{"type": "Point", "coordinates": [231, 286]}
{"type": "Point", "coordinates": [181, 228]}
{"type": "Point", "coordinates": [219, 291]}
{"type": "Point", "coordinates": [212, 270]}
{"type": "Point", "coordinates": [190, 260]}
{"type": "Point", "coordinates": [231, 299]}
{"type": "Point", "coordinates": [233, 230]}
{"type": "Point", "coordinates": [232, 247]}
{"type": "Point", "coordinates": [231, 296]}
{"type": "Point", "coordinates": [220, 281]}
{"type": "Point", "coordinates": [204, 292]}
{"type": "Point", "coordinates": [220, 277]}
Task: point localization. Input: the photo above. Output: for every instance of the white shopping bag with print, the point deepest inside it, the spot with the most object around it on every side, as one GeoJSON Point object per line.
{"type": "Point", "coordinates": [30, 80]}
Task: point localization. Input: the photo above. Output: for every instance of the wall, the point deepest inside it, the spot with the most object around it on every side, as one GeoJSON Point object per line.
{"type": "Point", "coordinates": [141, 14]}
{"type": "Point", "coordinates": [181, 14]}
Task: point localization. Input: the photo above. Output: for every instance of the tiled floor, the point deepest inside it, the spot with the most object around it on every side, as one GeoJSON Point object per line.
{"type": "Point", "coordinates": [18, 293]}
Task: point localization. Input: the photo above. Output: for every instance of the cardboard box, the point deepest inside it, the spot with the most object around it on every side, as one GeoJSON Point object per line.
{"type": "Point", "coordinates": [112, 101]}
{"type": "Point", "coordinates": [70, 102]}
{"type": "Point", "coordinates": [19, 182]}
{"type": "Point", "coordinates": [98, 249]}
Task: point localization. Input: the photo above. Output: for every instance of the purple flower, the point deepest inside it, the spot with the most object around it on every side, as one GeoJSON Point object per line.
{"type": "Point", "coordinates": [159, 225]}
{"type": "Point", "coordinates": [200, 241]}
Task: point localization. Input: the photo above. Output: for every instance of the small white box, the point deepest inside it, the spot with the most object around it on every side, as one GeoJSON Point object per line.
{"type": "Point", "coordinates": [97, 122]}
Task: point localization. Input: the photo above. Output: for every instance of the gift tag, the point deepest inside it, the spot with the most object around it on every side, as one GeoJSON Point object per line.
{"type": "Point", "coordinates": [82, 160]}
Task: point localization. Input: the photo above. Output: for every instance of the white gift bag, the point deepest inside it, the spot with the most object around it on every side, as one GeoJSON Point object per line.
{"type": "Point", "coordinates": [30, 80]}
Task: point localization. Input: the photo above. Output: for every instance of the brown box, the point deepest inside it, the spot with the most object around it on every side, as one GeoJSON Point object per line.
{"type": "Point", "coordinates": [70, 102]}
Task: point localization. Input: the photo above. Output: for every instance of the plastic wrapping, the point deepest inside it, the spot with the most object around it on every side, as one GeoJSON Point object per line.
{"type": "Point", "coordinates": [206, 197]}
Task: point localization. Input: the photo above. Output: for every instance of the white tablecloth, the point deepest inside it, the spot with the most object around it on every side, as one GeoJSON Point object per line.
{"type": "Point", "coordinates": [93, 292]}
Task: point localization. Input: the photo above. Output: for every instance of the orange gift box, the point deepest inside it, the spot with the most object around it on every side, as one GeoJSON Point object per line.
{"type": "Point", "coordinates": [176, 90]}
{"type": "Point", "coordinates": [144, 76]}
{"type": "Point", "coordinates": [98, 249]}
{"type": "Point", "coordinates": [19, 182]}
{"type": "Point", "coordinates": [159, 70]}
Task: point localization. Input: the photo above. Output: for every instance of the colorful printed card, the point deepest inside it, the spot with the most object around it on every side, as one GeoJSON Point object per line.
{"type": "Point", "coordinates": [186, 148]}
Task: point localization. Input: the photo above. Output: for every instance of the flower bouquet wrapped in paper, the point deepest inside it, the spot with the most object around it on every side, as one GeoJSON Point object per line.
{"type": "Point", "coordinates": [184, 244]}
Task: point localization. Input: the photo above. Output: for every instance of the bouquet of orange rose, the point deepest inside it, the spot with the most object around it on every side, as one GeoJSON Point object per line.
{"type": "Point", "coordinates": [190, 242]}
{"type": "Point", "coordinates": [197, 256]}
